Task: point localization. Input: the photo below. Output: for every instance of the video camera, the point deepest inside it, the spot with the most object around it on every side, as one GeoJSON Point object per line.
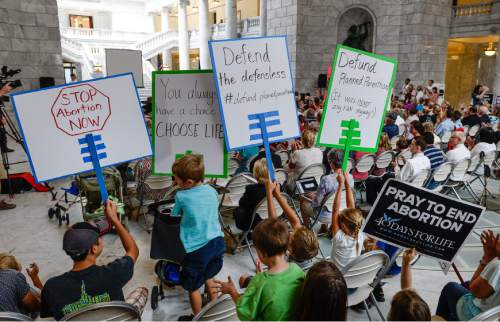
{"type": "Point", "coordinates": [6, 73]}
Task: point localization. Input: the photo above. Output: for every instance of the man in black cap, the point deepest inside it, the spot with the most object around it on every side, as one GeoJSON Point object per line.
{"type": "Point", "coordinates": [88, 283]}
{"type": "Point", "coordinates": [390, 127]}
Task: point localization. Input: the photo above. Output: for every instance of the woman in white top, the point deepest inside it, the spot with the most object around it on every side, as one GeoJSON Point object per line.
{"type": "Point", "coordinates": [304, 154]}
{"type": "Point", "coordinates": [346, 225]}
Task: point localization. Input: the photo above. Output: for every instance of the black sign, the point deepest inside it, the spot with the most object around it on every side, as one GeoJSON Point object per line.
{"type": "Point", "coordinates": [435, 224]}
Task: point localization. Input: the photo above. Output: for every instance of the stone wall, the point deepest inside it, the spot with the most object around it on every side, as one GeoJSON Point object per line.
{"type": "Point", "coordinates": [415, 32]}
{"type": "Point", "coordinates": [30, 40]}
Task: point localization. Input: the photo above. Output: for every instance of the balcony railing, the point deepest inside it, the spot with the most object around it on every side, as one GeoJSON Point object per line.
{"type": "Point", "coordinates": [479, 8]}
{"type": "Point", "coordinates": [102, 34]}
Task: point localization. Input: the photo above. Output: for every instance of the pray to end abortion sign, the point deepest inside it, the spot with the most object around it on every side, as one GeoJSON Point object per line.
{"type": "Point", "coordinates": [434, 224]}
{"type": "Point", "coordinates": [253, 78]}
{"type": "Point", "coordinates": [360, 90]}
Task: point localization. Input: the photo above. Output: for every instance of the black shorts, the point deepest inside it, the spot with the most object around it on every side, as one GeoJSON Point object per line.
{"type": "Point", "coordinates": [202, 264]}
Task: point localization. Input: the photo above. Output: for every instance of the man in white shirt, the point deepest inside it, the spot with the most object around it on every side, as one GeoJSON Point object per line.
{"type": "Point", "coordinates": [411, 168]}
{"type": "Point", "coordinates": [458, 151]}
{"type": "Point", "coordinates": [416, 164]}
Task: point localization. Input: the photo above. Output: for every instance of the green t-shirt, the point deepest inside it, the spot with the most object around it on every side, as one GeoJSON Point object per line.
{"type": "Point", "coordinates": [271, 297]}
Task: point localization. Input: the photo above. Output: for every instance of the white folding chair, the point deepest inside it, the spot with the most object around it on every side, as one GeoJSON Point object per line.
{"type": "Point", "coordinates": [327, 203]}
{"type": "Point", "coordinates": [106, 311]}
{"type": "Point", "coordinates": [364, 164]}
{"type": "Point", "coordinates": [394, 141]}
{"type": "Point", "coordinates": [13, 316]}
{"type": "Point", "coordinates": [456, 179]}
{"type": "Point", "coordinates": [362, 273]}
{"type": "Point", "coordinates": [402, 129]}
{"type": "Point", "coordinates": [232, 165]}
{"type": "Point", "coordinates": [350, 165]}
{"type": "Point", "coordinates": [441, 175]}
{"type": "Point", "coordinates": [474, 130]}
{"type": "Point", "coordinates": [281, 177]}
{"type": "Point", "coordinates": [420, 178]}
{"type": "Point", "coordinates": [220, 309]}
{"type": "Point", "coordinates": [316, 170]}
{"type": "Point", "coordinates": [445, 138]}
{"type": "Point", "coordinates": [283, 155]}
{"type": "Point", "coordinates": [406, 154]}
{"type": "Point", "coordinates": [234, 190]}
{"type": "Point", "coordinates": [492, 314]}
{"type": "Point", "coordinates": [383, 161]}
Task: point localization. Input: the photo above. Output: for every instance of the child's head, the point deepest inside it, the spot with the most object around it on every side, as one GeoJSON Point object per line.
{"type": "Point", "coordinates": [407, 305]}
{"type": "Point", "coordinates": [270, 238]}
{"type": "Point", "coordinates": [308, 139]}
{"type": "Point", "coordinates": [260, 171]}
{"type": "Point", "coordinates": [351, 220]}
{"type": "Point", "coordinates": [188, 170]}
{"type": "Point", "coordinates": [303, 245]}
{"type": "Point", "coordinates": [7, 261]}
{"type": "Point", "coordinates": [324, 294]}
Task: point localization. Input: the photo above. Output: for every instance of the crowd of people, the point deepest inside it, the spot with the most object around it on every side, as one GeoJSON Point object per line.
{"type": "Point", "coordinates": [295, 284]}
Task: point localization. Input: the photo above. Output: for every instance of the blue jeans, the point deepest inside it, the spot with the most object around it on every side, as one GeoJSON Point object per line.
{"type": "Point", "coordinates": [447, 305]}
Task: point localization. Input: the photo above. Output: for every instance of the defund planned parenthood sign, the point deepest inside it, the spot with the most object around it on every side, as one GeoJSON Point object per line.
{"type": "Point", "coordinates": [435, 224]}
{"type": "Point", "coordinates": [359, 90]}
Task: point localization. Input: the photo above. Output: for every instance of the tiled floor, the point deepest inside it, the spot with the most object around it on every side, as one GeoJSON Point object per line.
{"type": "Point", "coordinates": [28, 233]}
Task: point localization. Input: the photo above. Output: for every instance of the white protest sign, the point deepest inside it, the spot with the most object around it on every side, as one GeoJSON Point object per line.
{"type": "Point", "coordinates": [52, 120]}
{"type": "Point", "coordinates": [186, 120]}
{"type": "Point", "coordinates": [253, 76]}
{"type": "Point", "coordinates": [359, 89]}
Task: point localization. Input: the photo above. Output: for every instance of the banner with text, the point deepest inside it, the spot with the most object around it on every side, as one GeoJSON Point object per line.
{"type": "Point", "coordinates": [186, 120]}
{"type": "Point", "coordinates": [359, 89]}
{"type": "Point", "coordinates": [54, 123]}
{"type": "Point", "coordinates": [253, 78]}
{"type": "Point", "coordinates": [435, 224]}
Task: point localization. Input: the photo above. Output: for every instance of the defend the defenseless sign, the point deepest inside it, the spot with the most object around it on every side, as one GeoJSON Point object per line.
{"type": "Point", "coordinates": [54, 120]}
{"type": "Point", "coordinates": [359, 89]}
{"type": "Point", "coordinates": [407, 216]}
{"type": "Point", "coordinates": [186, 120]}
{"type": "Point", "coordinates": [253, 77]}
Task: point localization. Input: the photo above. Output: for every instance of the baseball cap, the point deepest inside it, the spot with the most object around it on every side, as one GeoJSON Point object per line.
{"type": "Point", "coordinates": [80, 237]}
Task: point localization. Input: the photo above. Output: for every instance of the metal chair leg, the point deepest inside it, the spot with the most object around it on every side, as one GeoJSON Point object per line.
{"type": "Point", "coordinates": [377, 307]}
{"type": "Point", "coordinates": [456, 193]}
{"type": "Point", "coordinates": [367, 310]}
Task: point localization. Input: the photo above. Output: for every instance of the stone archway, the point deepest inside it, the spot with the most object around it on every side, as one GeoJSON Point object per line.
{"type": "Point", "coordinates": [357, 28]}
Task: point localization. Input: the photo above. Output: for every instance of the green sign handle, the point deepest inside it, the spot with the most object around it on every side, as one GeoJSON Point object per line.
{"type": "Point", "coordinates": [180, 155]}
{"type": "Point", "coordinates": [347, 138]}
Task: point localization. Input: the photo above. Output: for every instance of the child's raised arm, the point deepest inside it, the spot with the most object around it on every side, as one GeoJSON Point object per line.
{"type": "Point", "coordinates": [289, 212]}
{"type": "Point", "coordinates": [350, 201]}
{"type": "Point", "coordinates": [271, 210]}
{"type": "Point", "coordinates": [336, 204]}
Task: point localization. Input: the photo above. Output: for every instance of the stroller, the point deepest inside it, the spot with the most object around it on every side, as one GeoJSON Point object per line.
{"type": "Point", "coordinates": [85, 189]}
{"type": "Point", "coordinates": [167, 247]}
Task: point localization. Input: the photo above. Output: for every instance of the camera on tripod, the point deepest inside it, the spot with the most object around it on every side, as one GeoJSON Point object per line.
{"type": "Point", "coordinates": [6, 73]}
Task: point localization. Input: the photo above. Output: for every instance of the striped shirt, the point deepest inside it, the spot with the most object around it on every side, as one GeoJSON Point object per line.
{"type": "Point", "coordinates": [435, 155]}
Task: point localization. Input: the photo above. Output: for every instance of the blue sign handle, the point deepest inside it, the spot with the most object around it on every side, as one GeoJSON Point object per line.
{"type": "Point", "coordinates": [265, 141]}
{"type": "Point", "coordinates": [97, 166]}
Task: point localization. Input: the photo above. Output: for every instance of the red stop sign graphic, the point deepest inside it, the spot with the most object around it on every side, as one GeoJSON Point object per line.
{"type": "Point", "coordinates": [81, 109]}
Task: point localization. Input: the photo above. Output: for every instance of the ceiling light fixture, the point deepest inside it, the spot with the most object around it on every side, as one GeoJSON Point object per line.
{"type": "Point", "coordinates": [490, 51]}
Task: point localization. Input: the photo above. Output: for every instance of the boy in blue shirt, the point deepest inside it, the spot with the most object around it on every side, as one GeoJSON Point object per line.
{"type": "Point", "coordinates": [200, 232]}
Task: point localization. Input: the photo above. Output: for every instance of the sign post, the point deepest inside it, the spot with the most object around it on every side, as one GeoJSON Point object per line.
{"type": "Point", "coordinates": [254, 84]}
{"type": "Point", "coordinates": [358, 93]}
{"type": "Point", "coordinates": [73, 129]}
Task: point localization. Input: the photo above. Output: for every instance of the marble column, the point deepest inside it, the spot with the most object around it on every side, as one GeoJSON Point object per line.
{"type": "Point", "coordinates": [231, 18]}
{"type": "Point", "coordinates": [183, 35]}
{"type": "Point", "coordinates": [204, 34]}
{"type": "Point", "coordinates": [496, 83]}
{"type": "Point", "coordinates": [263, 17]}
{"type": "Point", "coordinates": [164, 19]}
{"type": "Point", "coordinates": [151, 22]}
{"type": "Point", "coordinates": [167, 59]}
